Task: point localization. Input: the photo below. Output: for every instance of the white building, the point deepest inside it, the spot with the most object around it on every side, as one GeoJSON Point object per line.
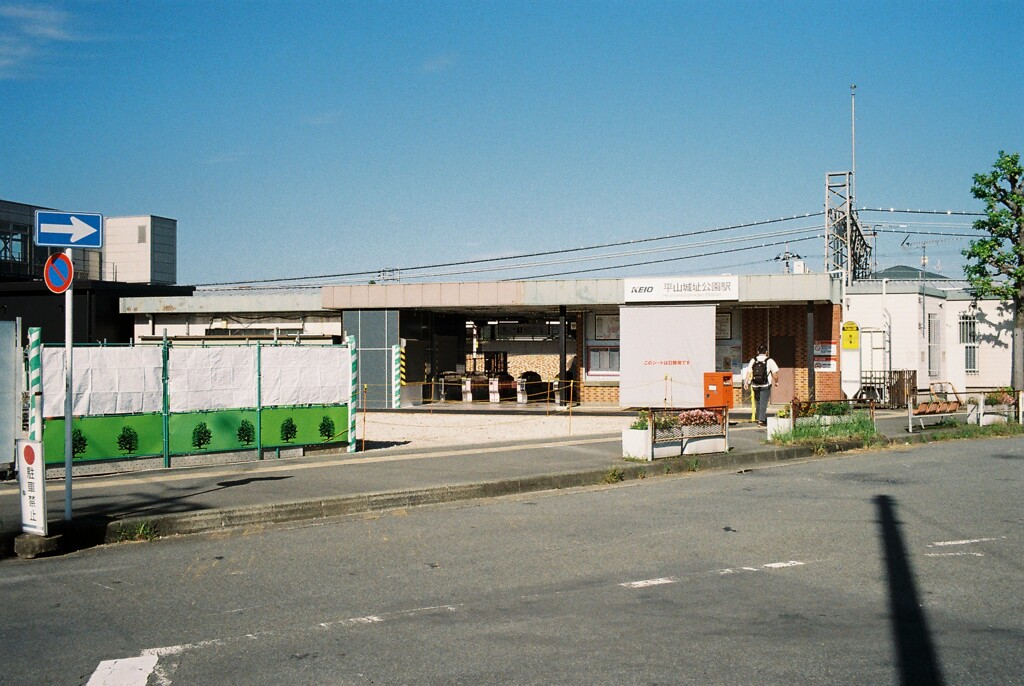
{"type": "Point", "coordinates": [945, 334]}
{"type": "Point", "coordinates": [139, 249]}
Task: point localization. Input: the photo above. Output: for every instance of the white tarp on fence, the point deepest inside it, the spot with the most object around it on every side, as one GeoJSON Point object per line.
{"type": "Point", "coordinates": [215, 378]}
{"type": "Point", "coordinates": [127, 380]}
{"type": "Point", "coordinates": [665, 352]}
{"type": "Point", "coordinates": [106, 381]}
{"type": "Point", "coordinates": [292, 375]}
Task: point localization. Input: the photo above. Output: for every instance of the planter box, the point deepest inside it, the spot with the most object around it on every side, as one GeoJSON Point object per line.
{"type": "Point", "coordinates": [986, 415]}
{"type": "Point", "coordinates": [638, 444]}
{"type": "Point", "coordinates": [779, 425]}
{"type": "Point", "coordinates": [705, 444]}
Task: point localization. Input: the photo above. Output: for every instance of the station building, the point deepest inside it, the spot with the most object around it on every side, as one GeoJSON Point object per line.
{"type": "Point", "coordinates": [627, 342]}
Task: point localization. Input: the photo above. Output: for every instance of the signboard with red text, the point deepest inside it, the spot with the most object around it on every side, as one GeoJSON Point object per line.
{"type": "Point", "coordinates": [664, 353]}
{"type": "Point", "coordinates": [32, 480]}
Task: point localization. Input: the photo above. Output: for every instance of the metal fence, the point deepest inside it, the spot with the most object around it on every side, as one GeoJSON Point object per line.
{"type": "Point", "coordinates": [888, 389]}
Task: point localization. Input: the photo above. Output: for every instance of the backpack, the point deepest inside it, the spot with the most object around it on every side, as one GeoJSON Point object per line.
{"type": "Point", "coordinates": [759, 372]}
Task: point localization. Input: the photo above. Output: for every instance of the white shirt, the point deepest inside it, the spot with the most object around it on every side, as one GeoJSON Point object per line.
{"type": "Point", "coordinates": [772, 369]}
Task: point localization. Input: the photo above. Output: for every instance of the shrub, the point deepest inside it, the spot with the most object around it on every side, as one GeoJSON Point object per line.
{"type": "Point", "coordinates": [699, 418]}
{"type": "Point", "coordinates": [832, 409]}
{"type": "Point", "coordinates": [1000, 396]}
{"type": "Point", "coordinates": [640, 422]}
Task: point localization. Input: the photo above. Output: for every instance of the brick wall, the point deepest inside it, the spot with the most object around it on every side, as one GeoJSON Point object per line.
{"type": "Point", "coordinates": [599, 394]}
{"type": "Point", "coordinates": [791, 320]}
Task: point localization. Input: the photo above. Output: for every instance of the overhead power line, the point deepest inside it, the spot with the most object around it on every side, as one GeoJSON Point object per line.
{"type": "Point", "coordinates": [616, 244]}
{"type": "Point", "coordinates": [952, 213]}
{"type": "Point", "coordinates": [629, 253]}
{"type": "Point", "coordinates": [926, 233]}
{"type": "Point", "coordinates": [677, 259]}
{"type": "Point", "coordinates": [791, 234]}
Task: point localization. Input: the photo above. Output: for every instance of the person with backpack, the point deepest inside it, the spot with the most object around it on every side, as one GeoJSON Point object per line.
{"type": "Point", "coordinates": [761, 374]}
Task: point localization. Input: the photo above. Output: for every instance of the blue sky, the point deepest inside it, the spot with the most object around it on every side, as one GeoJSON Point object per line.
{"type": "Point", "coordinates": [303, 138]}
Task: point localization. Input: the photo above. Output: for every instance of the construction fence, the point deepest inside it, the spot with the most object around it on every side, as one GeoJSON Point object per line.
{"type": "Point", "coordinates": [159, 400]}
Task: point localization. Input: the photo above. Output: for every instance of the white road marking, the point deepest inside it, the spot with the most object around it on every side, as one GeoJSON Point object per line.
{"type": "Point", "coordinates": [770, 565]}
{"type": "Point", "coordinates": [649, 582]}
{"type": "Point", "coordinates": [132, 671]}
{"type": "Point", "coordinates": [782, 565]}
{"type": "Point", "coordinates": [954, 554]}
{"type": "Point", "coordinates": [966, 541]}
{"type": "Point", "coordinates": [136, 671]}
{"type": "Point", "coordinates": [646, 583]}
{"type": "Point", "coordinates": [375, 619]}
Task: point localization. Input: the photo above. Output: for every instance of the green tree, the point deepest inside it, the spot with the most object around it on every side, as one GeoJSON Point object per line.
{"type": "Point", "coordinates": [288, 430]}
{"type": "Point", "coordinates": [79, 443]}
{"type": "Point", "coordinates": [128, 440]}
{"type": "Point", "coordinates": [327, 428]}
{"type": "Point", "coordinates": [997, 259]}
{"type": "Point", "coordinates": [246, 432]}
{"type": "Point", "coordinates": [201, 436]}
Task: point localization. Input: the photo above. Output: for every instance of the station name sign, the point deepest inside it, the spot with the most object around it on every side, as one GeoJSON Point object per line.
{"type": "Point", "coordinates": [682, 289]}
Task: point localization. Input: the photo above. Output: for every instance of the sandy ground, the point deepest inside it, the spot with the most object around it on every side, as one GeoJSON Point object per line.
{"type": "Point", "coordinates": [436, 429]}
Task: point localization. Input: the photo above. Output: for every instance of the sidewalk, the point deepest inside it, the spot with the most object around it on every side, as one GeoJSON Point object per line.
{"type": "Point", "coordinates": [200, 499]}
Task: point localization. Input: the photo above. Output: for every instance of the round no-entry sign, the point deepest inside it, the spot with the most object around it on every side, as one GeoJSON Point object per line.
{"type": "Point", "coordinates": [58, 272]}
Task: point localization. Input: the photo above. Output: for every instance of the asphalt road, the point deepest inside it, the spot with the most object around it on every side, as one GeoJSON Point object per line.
{"type": "Point", "coordinates": [895, 567]}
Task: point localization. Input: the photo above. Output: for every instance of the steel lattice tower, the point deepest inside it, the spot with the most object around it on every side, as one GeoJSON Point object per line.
{"type": "Point", "coordinates": [846, 249]}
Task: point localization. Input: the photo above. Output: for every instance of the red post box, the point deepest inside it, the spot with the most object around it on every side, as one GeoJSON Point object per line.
{"type": "Point", "coordinates": [718, 389]}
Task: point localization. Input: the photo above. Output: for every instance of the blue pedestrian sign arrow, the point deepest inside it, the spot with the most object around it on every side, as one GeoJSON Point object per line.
{"type": "Point", "coordinates": [69, 230]}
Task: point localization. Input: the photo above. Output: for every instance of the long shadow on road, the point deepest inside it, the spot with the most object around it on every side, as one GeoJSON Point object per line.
{"type": "Point", "coordinates": [915, 653]}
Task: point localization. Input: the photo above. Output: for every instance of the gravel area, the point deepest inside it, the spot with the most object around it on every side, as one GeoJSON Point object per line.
{"type": "Point", "coordinates": [422, 429]}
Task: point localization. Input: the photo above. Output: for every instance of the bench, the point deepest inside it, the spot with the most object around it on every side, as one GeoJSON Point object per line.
{"type": "Point", "coordinates": [938, 405]}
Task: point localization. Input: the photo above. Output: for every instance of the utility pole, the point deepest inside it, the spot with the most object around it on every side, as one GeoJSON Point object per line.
{"type": "Point", "coordinates": [853, 141]}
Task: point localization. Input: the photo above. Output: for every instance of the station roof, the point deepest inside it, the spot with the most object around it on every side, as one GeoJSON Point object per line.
{"type": "Point", "coordinates": [577, 294]}
{"type": "Point", "coordinates": [469, 297]}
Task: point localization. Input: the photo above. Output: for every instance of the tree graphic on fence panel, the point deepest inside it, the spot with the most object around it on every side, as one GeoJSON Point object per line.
{"type": "Point", "coordinates": [327, 428]}
{"type": "Point", "coordinates": [246, 432]}
{"type": "Point", "coordinates": [288, 430]}
{"type": "Point", "coordinates": [79, 442]}
{"type": "Point", "coordinates": [201, 436]}
{"type": "Point", "coordinates": [128, 440]}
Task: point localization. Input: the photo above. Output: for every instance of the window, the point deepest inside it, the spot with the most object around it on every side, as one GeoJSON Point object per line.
{"type": "Point", "coordinates": [933, 345]}
{"type": "Point", "coordinates": [142, 233]}
{"type": "Point", "coordinates": [606, 327]}
{"type": "Point", "coordinates": [603, 360]}
{"type": "Point", "coordinates": [969, 339]}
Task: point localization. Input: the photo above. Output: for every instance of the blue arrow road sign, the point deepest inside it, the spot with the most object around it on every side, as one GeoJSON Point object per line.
{"type": "Point", "coordinates": [69, 230]}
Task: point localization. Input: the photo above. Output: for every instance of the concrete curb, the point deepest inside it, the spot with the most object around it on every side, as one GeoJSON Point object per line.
{"type": "Point", "coordinates": [207, 521]}
{"type": "Point", "coordinates": [94, 532]}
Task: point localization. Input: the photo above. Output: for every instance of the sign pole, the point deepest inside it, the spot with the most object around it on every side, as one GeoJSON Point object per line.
{"type": "Point", "coordinates": [67, 230]}
{"type": "Point", "coordinates": [68, 398]}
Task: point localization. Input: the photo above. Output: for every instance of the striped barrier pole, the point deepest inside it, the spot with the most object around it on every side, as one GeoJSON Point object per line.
{"type": "Point", "coordinates": [397, 376]}
{"type": "Point", "coordinates": [35, 383]}
{"type": "Point", "coordinates": [354, 395]}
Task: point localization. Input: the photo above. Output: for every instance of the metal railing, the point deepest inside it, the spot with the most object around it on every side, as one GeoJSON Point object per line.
{"type": "Point", "coordinates": [888, 389]}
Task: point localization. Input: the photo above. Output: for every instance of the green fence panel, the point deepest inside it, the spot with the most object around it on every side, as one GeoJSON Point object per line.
{"type": "Point", "coordinates": [223, 431]}
{"type": "Point", "coordinates": [101, 437]}
{"type": "Point", "coordinates": [308, 422]}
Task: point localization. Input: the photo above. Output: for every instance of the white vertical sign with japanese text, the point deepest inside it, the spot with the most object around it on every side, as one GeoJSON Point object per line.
{"type": "Point", "coordinates": [32, 480]}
